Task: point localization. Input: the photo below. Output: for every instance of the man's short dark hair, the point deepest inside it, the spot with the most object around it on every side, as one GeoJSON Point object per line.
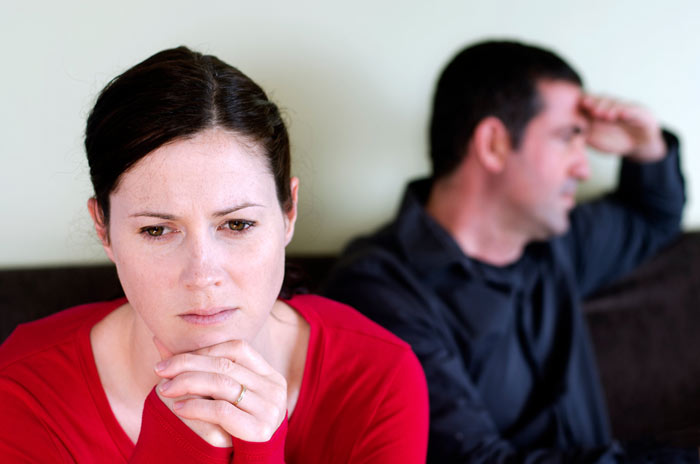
{"type": "Point", "coordinates": [494, 78]}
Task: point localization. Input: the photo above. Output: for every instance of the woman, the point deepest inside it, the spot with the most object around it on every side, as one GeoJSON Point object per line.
{"type": "Point", "coordinates": [202, 361]}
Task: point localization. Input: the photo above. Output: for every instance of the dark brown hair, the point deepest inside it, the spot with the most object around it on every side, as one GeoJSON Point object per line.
{"type": "Point", "coordinates": [172, 95]}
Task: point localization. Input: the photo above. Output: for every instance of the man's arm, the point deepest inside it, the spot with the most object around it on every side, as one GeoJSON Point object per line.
{"type": "Point", "coordinates": [461, 427]}
{"type": "Point", "coordinates": [612, 235]}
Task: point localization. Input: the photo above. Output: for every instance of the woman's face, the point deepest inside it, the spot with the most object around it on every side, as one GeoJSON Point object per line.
{"type": "Point", "coordinates": [198, 237]}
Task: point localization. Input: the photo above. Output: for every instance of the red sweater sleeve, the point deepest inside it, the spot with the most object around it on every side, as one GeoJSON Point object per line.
{"type": "Point", "coordinates": [398, 432]}
{"type": "Point", "coordinates": [165, 438]}
{"type": "Point", "coordinates": [269, 452]}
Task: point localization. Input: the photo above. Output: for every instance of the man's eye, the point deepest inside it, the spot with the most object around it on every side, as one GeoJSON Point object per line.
{"type": "Point", "coordinates": [238, 225]}
{"type": "Point", "coordinates": [577, 131]}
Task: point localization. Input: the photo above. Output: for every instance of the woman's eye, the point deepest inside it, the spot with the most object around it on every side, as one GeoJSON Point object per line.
{"type": "Point", "coordinates": [154, 231]}
{"type": "Point", "coordinates": [238, 225]}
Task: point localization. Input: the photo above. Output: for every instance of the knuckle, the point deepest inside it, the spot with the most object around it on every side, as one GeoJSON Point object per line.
{"type": "Point", "coordinates": [224, 382]}
{"type": "Point", "coordinates": [222, 365]}
{"type": "Point", "coordinates": [270, 411]}
{"type": "Point", "coordinates": [277, 380]}
{"type": "Point", "coordinates": [221, 409]}
{"type": "Point", "coordinates": [265, 431]}
{"type": "Point", "coordinates": [280, 396]}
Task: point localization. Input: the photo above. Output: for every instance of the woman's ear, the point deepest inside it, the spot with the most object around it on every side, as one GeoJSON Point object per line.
{"type": "Point", "coordinates": [100, 226]}
{"type": "Point", "coordinates": [290, 216]}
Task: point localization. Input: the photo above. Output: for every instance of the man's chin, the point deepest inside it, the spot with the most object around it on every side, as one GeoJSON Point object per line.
{"type": "Point", "coordinates": [561, 228]}
{"type": "Point", "coordinates": [553, 229]}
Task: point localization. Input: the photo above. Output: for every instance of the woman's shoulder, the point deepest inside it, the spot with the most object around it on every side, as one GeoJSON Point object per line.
{"type": "Point", "coordinates": [36, 337]}
{"type": "Point", "coordinates": [359, 371]}
{"type": "Point", "coordinates": [339, 319]}
{"type": "Point", "coordinates": [51, 389]}
{"type": "Point", "coordinates": [345, 340]}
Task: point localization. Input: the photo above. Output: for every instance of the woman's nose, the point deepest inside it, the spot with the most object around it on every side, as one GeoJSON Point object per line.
{"type": "Point", "coordinates": [201, 268]}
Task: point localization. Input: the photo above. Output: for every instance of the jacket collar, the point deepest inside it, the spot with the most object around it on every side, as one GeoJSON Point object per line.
{"type": "Point", "coordinates": [431, 248]}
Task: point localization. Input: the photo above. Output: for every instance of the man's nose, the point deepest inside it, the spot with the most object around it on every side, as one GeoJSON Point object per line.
{"type": "Point", "coordinates": [201, 268]}
{"type": "Point", "coordinates": [581, 169]}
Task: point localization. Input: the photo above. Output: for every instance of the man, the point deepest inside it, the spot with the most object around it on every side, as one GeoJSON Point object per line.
{"type": "Point", "coordinates": [484, 268]}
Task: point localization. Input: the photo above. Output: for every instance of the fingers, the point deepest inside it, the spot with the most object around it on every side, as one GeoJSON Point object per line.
{"type": "Point", "coordinates": [190, 362]}
{"type": "Point", "coordinates": [611, 110]}
{"type": "Point", "coordinates": [223, 387]}
{"type": "Point", "coordinates": [241, 353]}
{"type": "Point", "coordinates": [212, 433]}
{"type": "Point", "coordinates": [603, 108]}
{"type": "Point", "coordinates": [267, 404]}
{"type": "Point", "coordinates": [237, 422]}
{"type": "Point", "coordinates": [235, 359]}
{"type": "Point", "coordinates": [623, 128]}
{"type": "Point", "coordinates": [206, 383]}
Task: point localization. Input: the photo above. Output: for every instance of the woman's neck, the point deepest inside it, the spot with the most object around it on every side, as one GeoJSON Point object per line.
{"type": "Point", "coordinates": [283, 341]}
{"type": "Point", "coordinates": [125, 355]}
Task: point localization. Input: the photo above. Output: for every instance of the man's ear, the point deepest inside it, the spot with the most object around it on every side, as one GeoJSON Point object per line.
{"type": "Point", "coordinates": [290, 216]}
{"type": "Point", "coordinates": [492, 144]}
{"type": "Point", "coordinates": [100, 226]}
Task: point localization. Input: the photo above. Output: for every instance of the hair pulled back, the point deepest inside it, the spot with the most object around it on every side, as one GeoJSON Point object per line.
{"type": "Point", "coordinates": [173, 95]}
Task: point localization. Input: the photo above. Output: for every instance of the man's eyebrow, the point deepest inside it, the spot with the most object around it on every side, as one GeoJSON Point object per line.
{"type": "Point", "coordinates": [171, 217]}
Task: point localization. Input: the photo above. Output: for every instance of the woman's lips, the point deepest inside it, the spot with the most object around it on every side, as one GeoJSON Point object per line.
{"type": "Point", "coordinates": [208, 317]}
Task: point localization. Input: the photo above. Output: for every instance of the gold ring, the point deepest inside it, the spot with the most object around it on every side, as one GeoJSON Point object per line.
{"type": "Point", "coordinates": [240, 397]}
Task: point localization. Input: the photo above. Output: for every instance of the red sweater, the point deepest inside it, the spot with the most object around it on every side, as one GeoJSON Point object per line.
{"type": "Point", "coordinates": [363, 399]}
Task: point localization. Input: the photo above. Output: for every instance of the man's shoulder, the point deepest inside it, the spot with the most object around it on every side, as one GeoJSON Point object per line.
{"type": "Point", "coordinates": [369, 264]}
{"type": "Point", "coordinates": [383, 242]}
{"type": "Point", "coordinates": [375, 256]}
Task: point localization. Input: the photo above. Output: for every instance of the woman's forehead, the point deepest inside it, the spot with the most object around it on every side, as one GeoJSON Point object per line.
{"type": "Point", "coordinates": [213, 168]}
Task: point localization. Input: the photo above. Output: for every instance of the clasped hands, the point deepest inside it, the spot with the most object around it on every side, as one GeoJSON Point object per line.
{"type": "Point", "coordinates": [202, 386]}
{"type": "Point", "coordinates": [623, 128]}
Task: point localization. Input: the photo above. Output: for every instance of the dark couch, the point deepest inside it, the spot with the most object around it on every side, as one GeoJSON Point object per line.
{"type": "Point", "coordinates": [645, 328]}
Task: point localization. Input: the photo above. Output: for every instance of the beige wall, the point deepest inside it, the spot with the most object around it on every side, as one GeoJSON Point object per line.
{"type": "Point", "coordinates": [355, 80]}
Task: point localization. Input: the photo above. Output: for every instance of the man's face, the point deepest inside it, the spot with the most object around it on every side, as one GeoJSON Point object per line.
{"type": "Point", "coordinates": [542, 175]}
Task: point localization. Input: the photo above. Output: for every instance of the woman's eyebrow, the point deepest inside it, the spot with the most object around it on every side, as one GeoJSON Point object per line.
{"type": "Point", "coordinates": [167, 217]}
{"type": "Point", "coordinates": [233, 209]}
{"type": "Point", "coordinates": [172, 217]}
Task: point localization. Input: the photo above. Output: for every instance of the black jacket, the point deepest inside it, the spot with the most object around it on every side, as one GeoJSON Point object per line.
{"type": "Point", "coordinates": [509, 364]}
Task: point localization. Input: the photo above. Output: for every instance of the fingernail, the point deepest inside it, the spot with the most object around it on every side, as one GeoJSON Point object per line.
{"type": "Point", "coordinates": [165, 386]}
{"type": "Point", "coordinates": [178, 405]}
{"type": "Point", "coordinates": [162, 365]}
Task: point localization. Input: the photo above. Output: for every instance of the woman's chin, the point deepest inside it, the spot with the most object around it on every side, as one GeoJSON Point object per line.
{"type": "Point", "coordinates": [194, 340]}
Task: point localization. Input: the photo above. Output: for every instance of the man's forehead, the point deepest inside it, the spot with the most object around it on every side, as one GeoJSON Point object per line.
{"type": "Point", "coordinates": [561, 100]}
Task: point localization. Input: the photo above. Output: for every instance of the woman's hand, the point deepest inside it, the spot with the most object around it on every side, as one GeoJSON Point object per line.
{"type": "Point", "coordinates": [206, 389]}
